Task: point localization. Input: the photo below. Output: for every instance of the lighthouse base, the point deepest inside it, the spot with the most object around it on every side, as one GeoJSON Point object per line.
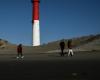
{"type": "Point", "coordinates": [36, 33]}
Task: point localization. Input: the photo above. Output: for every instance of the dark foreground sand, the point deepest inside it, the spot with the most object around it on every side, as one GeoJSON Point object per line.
{"type": "Point", "coordinates": [42, 66]}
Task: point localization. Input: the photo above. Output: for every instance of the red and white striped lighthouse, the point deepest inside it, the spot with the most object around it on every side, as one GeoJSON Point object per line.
{"type": "Point", "coordinates": [35, 23]}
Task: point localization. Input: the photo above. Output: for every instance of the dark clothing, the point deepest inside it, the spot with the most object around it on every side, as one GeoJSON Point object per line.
{"type": "Point", "coordinates": [69, 44]}
{"type": "Point", "coordinates": [19, 50]}
{"type": "Point", "coordinates": [62, 46]}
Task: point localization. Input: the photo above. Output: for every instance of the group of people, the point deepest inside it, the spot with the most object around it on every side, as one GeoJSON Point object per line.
{"type": "Point", "coordinates": [69, 45]}
{"type": "Point", "coordinates": [62, 47]}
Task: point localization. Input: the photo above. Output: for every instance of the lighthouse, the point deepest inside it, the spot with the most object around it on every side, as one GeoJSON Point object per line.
{"type": "Point", "coordinates": [35, 23]}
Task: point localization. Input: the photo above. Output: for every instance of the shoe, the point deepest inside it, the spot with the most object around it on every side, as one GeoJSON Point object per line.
{"type": "Point", "coordinates": [22, 57]}
{"type": "Point", "coordinates": [17, 57]}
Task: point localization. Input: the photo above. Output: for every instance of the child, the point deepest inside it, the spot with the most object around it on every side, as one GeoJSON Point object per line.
{"type": "Point", "coordinates": [19, 51]}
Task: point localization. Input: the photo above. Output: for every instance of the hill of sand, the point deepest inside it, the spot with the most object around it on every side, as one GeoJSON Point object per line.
{"type": "Point", "coordinates": [84, 43]}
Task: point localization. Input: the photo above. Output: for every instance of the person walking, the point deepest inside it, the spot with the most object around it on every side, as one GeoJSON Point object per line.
{"type": "Point", "coordinates": [70, 51]}
{"type": "Point", "coordinates": [62, 47]}
{"type": "Point", "coordinates": [19, 51]}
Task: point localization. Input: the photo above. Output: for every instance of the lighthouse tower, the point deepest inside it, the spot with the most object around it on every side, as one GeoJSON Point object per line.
{"type": "Point", "coordinates": [35, 23]}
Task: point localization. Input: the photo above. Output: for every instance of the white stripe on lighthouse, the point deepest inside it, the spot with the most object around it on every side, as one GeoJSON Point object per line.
{"type": "Point", "coordinates": [36, 33]}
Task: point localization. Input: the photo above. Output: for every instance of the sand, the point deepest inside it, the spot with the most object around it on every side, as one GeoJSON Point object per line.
{"type": "Point", "coordinates": [50, 66]}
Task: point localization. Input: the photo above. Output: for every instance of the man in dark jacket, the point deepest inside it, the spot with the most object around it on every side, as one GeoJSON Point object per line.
{"type": "Point", "coordinates": [70, 51]}
{"type": "Point", "coordinates": [19, 51]}
{"type": "Point", "coordinates": [62, 46]}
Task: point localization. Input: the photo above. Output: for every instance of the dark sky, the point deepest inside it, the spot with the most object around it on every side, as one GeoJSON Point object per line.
{"type": "Point", "coordinates": [58, 19]}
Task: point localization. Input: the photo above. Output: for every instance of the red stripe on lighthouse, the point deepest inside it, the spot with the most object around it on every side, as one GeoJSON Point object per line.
{"type": "Point", "coordinates": [35, 10]}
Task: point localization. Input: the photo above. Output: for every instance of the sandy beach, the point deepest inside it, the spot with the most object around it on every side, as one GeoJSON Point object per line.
{"type": "Point", "coordinates": [50, 66]}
